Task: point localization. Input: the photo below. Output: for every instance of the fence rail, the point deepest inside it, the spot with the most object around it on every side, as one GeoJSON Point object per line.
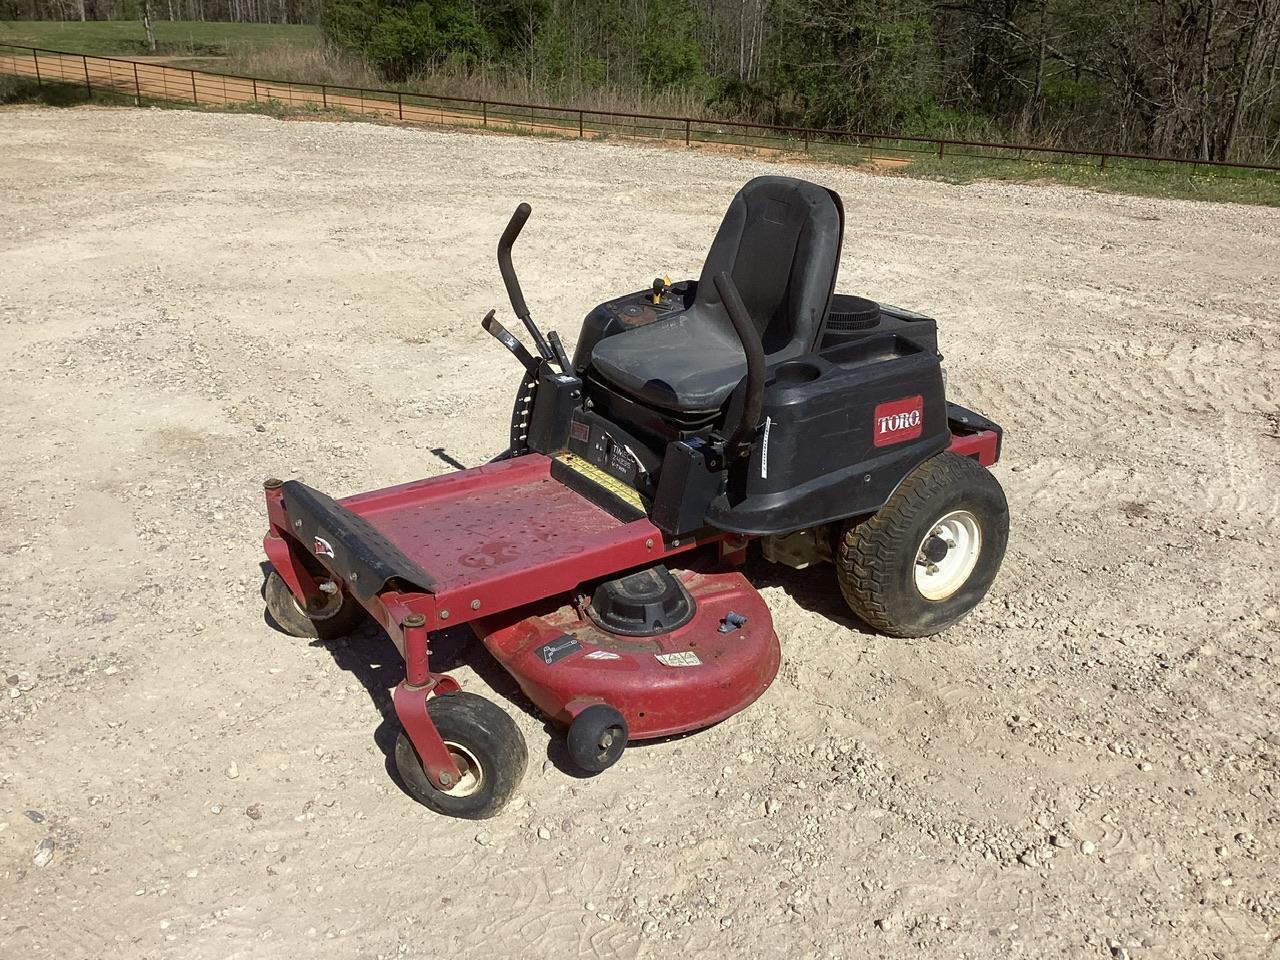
{"type": "Point", "coordinates": [146, 81]}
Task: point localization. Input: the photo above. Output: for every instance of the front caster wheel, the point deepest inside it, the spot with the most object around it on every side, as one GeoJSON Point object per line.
{"type": "Point", "coordinates": [337, 617]}
{"type": "Point", "coordinates": [929, 555]}
{"type": "Point", "coordinates": [486, 745]}
{"type": "Point", "coordinates": [597, 737]}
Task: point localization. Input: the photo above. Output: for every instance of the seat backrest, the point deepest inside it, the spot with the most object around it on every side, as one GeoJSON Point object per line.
{"type": "Point", "coordinates": [780, 241]}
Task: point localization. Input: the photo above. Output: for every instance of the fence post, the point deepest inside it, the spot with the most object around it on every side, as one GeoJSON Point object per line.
{"type": "Point", "coordinates": [137, 87]}
{"type": "Point", "coordinates": [87, 87]}
{"type": "Point", "coordinates": [194, 98]}
{"type": "Point", "coordinates": [399, 104]}
{"type": "Point", "coordinates": [579, 124]}
{"type": "Point", "coordinates": [940, 145]}
{"type": "Point", "coordinates": [255, 88]}
{"type": "Point", "coordinates": [35, 57]}
{"type": "Point", "coordinates": [324, 96]}
{"type": "Point", "coordinates": [806, 140]}
{"type": "Point", "coordinates": [1102, 163]}
{"type": "Point", "coordinates": [686, 131]}
{"type": "Point", "coordinates": [484, 112]}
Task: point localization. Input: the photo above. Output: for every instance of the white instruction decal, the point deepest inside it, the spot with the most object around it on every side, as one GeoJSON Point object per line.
{"type": "Point", "coordinates": [682, 659]}
{"type": "Point", "coordinates": [602, 655]}
{"type": "Point", "coordinates": [764, 450]}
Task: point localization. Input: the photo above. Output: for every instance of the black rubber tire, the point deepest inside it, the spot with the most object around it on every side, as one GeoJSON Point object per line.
{"type": "Point", "coordinates": [482, 729]}
{"type": "Point", "coordinates": [875, 559]}
{"type": "Point", "coordinates": [288, 616]}
{"type": "Point", "coordinates": [597, 737]}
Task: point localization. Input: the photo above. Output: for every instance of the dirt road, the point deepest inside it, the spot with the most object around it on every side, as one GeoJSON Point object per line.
{"type": "Point", "coordinates": [1086, 767]}
{"type": "Point", "coordinates": [146, 79]}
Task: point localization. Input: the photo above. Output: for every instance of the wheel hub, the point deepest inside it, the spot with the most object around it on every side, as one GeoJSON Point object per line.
{"type": "Point", "coordinates": [322, 609]}
{"type": "Point", "coordinates": [947, 555]}
{"type": "Point", "coordinates": [471, 774]}
{"type": "Point", "coordinates": [935, 549]}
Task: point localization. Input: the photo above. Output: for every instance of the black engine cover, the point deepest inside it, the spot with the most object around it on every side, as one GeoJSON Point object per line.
{"type": "Point", "coordinates": [840, 429]}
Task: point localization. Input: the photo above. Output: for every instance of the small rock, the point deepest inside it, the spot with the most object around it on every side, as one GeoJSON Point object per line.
{"type": "Point", "coordinates": [771, 807]}
{"type": "Point", "coordinates": [1221, 851]}
{"type": "Point", "coordinates": [1119, 953]}
{"type": "Point", "coordinates": [650, 927]}
{"type": "Point", "coordinates": [884, 923]}
{"type": "Point", "coordinates": [253, 811]}
{"type": "Point", "coordinates": [544, 833]}
{"type": "Point", "coordinates": [1144, 767]}
{"type": "Point", "coordinates": [35, 816]}
{"type": "Point", "coordinates": [1087, 847]}
{"type": "Point", "coordinates": [1245, 837]}
{"type": "Point", "coordinates": [44, 853]}
{"type": "Point", "coordinates": [726, 923]}
{"type": "Point", "coordinates": [260, 427]}
{"type": "Point", "coordinates": [482, 838]}
{"type": "Point", "coordinates": [233, 771]}
{"type": "Point", "coordinates": [216, 809]}
{"type": "Point", "coordinates": [1059, 841]}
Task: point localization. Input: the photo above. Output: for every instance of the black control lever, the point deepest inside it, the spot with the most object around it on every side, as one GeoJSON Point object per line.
{"type": "Point", "coordinates": [561, 357]}
{"type": "Point", "coordinates": [516, 296]}
{"type": "Point", "coordinates": [739, 442]}
{"type": "Point", "coordinates": [504, 337]}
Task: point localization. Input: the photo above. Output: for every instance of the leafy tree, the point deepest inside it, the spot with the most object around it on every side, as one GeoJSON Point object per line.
{"type": "Point", "coordinates": [400, 38]}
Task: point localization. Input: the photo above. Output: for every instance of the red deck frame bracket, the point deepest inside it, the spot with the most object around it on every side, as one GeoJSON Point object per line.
{"type": "Point", "coordinates": [983, 446]}
{"type": "Point", "coordinates": [411, 710]}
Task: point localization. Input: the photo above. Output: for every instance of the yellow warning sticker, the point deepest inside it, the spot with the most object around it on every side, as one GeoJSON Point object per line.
{"type": "Point", "coordinates": [620, 489]}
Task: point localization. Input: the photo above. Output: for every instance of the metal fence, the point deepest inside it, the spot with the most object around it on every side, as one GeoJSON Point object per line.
{"type": "Point", "coordinates": [149, 82]}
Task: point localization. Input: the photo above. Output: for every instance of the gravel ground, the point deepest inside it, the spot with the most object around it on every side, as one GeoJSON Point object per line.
{"type": "Point", "coordinates": [1085, 767]}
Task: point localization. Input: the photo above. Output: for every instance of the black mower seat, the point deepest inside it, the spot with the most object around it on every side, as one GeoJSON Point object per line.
{"type": "Point", "coordinates": [780, 242]}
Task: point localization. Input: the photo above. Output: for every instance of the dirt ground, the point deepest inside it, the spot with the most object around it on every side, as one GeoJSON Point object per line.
{"type": "Point", "coordinates": [1085, 767]}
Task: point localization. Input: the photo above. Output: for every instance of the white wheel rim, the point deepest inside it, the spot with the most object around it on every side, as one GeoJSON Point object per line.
{"type": "Point", "coordinates": [331, 608]}
{"type": "Point", "coordinates": [472, 774]}
{"type": "Point", "coordinates": [938, 579]}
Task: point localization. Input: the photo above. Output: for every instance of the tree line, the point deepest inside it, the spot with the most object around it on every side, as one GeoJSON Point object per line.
{"type": "Point", "coordinates": [1191, 78]}
{"type": "Point", "coordinates": [226, 11]}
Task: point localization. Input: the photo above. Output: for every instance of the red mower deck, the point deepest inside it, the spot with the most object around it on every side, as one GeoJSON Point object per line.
{"type": "Point", "coordinates": [564, 662]}
{"type": "Point", "coordinates": [492, 540]}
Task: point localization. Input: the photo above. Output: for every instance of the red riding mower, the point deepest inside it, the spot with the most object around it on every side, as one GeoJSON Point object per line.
{"type": "Point", "coordinates": [597, 558]}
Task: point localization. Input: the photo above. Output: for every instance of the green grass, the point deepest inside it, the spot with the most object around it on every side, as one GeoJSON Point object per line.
{"type": "Point", "coordinates": [126, 38]}
{"type": "Point", "coordinates": [1120, 176]}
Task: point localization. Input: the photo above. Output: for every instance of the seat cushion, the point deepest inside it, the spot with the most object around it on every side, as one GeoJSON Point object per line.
{"type": "Point", "coordinates": [686, 363]}
{"type": "Point", "coordinates": [780, 243]}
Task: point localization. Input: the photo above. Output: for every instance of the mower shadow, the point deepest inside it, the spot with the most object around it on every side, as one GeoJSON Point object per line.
{"type": "Point", "coordinates": [813, 589]}
{"type": "Point", "coordinates": [371, 657]}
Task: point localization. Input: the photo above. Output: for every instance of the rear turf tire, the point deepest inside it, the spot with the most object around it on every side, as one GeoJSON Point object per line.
{"type": "Point", "coordinates": [487, 746]}
{"type": "Point", "coordinates": [339, 618]}
{"type": "Point", "coordinates": [877, 561]}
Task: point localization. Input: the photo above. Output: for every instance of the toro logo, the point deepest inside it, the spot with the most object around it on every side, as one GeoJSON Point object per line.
{"type": "Point", "coordinates": [898, 420]}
